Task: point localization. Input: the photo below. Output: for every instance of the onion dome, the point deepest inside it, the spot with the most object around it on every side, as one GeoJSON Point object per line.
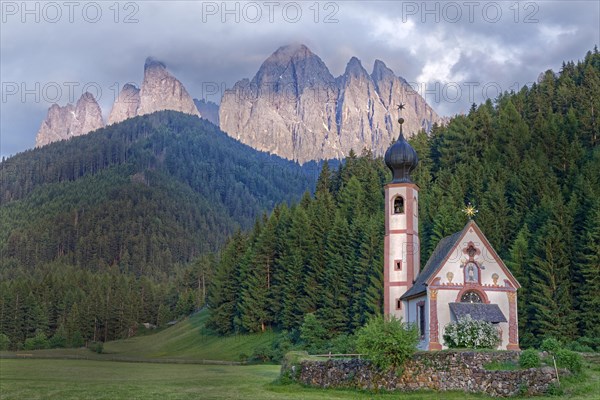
{"type": "Point", "coordinates": [401, 158]}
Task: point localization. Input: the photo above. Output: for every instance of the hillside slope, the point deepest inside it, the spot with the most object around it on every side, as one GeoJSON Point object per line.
{"type": "Point", "coordinates": [143, 194]}
{"type": "Point", "coordinates": [189, 340]}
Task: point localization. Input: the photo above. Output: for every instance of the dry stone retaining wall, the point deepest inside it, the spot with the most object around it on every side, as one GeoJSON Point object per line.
{"type": "Point", "coordinates": [438, 371]}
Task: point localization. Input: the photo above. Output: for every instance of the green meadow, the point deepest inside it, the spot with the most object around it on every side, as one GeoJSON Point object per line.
{"type": "Point", "coordinates": [90, 379]}
{"type": "Point", "coordinates": [181, 362]}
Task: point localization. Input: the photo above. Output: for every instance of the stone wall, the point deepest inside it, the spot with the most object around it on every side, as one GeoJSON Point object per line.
{"type": "Point", "coordinates": [438, 371]}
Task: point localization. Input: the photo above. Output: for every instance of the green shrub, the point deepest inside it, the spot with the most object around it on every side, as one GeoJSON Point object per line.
{"type": "Point", "coordinates": [472, 334]}
{"type": "Point", "coordinates": [343, 344]}
{"type": "Point", "coordinates": [77, 340]}
{"type": "Point", "coordinates": [4, 342]}
{"type": "Point", "coordinates": [578, 347]}
{"type": "Point", "coordinates": [96, 347]}
{"type": "Point", "coordinates": [554, 389]}
{"type": "Point", "coordinates": [551, 345]}
{"type": "Point", "coordinates": [585, 345]}
{"type": "Point", "coordinates": [570, 360]}
{"type": "Point", "coordinates": [36, 343]}
{"type": "Point", "coordinates": [280, 346]}
{"type": "Point", "coordinates": [313, 334]}
{"type": "Point", "coordinates": [529, 358]}
{"type": "Point", "coordinates": [262, 353]}
{"type": "Point", "coordinates": [387, 342]}
{"type": "Point", "coordinates": [59, 339]}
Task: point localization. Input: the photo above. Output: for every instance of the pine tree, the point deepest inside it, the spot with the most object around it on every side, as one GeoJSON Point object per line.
{"type": "Point", "coordinates": [335, 312]}
{"type": "Point", "coordinates": [255, 313]}
{"type": "Point", "coordinates": [294, 262]}
{"type": "Point", "coordinates": [590, 291]}
{"type": "Point", "coordinates": [551, 302]}
{"type": "Point", "coordinates": [518, 262]}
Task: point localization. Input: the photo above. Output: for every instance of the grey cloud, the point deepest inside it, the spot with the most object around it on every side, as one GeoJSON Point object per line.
{"type": "Point", "coordinates": [201, 53]}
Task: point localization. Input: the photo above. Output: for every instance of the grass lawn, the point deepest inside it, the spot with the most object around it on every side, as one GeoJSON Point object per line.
{"type": "Point", "coordinates": [89, 379]}
{"type": "Point", "coordinates": [187, 341]}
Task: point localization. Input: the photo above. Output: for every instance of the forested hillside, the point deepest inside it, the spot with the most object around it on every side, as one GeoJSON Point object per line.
{"type": "Point", "coordinates": [529, 161]}
{"type": "Point", "coordinates": [99, 231]}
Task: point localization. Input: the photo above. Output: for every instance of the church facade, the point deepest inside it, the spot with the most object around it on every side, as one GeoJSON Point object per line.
{"type": "Point", "coordinates": [463, 276]}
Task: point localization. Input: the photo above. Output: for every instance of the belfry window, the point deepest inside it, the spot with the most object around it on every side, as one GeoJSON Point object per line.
{"type": "Point", "coordinates": [471, 297]}
{"type": "Point", "coordinates": [399, 205]}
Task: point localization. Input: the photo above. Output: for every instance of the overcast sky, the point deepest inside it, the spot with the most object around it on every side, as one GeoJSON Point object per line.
{"type": "Point", "coordinates": [454, 53]}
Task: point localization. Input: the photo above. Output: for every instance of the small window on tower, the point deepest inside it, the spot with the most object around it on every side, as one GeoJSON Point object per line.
{"type": "Point", "coordinates": [398, 304]}
{"type": "Point", "coordinates": [399, 205]}
{"type": "Point", "coordinates": [398, 265]}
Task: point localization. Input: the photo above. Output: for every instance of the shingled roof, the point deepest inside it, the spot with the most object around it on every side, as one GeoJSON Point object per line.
{"type": "Point", "coordinates": [437, 258]}
{"type": "Point", "coordinates": [478, 311]}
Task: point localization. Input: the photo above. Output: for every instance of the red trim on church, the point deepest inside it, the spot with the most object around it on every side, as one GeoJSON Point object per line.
{"type": "Point", "coordinates": [434, 340]}
{"type": "Point", "coordinates": [386, 275]}
{"type": "Point", "coordinates": [411, 261]}
{"type": "Point", "coordinates": [513, 328]}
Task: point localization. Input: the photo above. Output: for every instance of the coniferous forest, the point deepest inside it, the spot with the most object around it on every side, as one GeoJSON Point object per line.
{"type": "Point", "coordinates": [530, 162]}
{"type": "Point", "coordinates": [118, 227]}
{"type": "Point", "coordinates": [127, 225]}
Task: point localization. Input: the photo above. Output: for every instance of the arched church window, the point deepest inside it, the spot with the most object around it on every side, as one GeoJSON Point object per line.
{"type": "Point", "coordinates": [399, 205]}
{"type": "Point", "coordinates": [471, 297]}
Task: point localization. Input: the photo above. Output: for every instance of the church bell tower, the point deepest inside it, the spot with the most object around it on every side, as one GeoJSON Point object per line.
{"type": "Point", "coordinates": [401, 246]}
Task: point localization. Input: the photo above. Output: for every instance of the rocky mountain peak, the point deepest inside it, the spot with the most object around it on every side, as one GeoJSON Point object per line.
{"type": "Point", "coordinates": [70, 120]}
{"type": "Point", "coordinates": [159, 91]}
{"type": "Point", "coordinates": [381, 71]}
{"type": "Point", "coordinates": [286, 53]}
{"type": "Point", "coordinates": [354, 68]}
{"type": "Point", "coordinates": [126, 106]}
{"type": "Point", "coordinates": [307, 114]}
{"type": "Point", "coordinates": [162, 91]}
{"type": "Point", "coordinates": [292, 67]}
{"type": "Point", "coordinates": [153, 63]}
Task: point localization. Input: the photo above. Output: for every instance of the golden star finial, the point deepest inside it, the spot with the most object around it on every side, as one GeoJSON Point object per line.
{"type": "Point", "coordinates": [470, 211]}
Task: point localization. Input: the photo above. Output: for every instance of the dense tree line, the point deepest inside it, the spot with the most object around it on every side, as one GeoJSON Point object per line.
{"type": "Point", "coordinates": [530, 162]}
{"type": "Point", "coordinates": [72, 306]}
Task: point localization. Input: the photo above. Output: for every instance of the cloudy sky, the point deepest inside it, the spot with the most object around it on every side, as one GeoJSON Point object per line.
{"type": "Point", "coordinates": [454, 53]}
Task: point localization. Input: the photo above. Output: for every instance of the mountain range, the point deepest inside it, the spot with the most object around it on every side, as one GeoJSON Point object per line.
{"type": "Point", "coordinates": [293, 107]}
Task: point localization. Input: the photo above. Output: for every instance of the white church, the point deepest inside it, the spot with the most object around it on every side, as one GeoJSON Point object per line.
{"type": "Point", "coordinates": [464, 275]}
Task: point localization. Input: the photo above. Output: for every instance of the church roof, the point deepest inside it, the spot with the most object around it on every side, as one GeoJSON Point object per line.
{"type": "Point", "coordinates": [441, 254]}
{"type": "Point", "coordinates": [435, 261]}
{"type": "Point", "coordinates": [478, 311]}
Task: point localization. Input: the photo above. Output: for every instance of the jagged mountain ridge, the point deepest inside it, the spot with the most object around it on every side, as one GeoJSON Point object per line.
{"type": "Point", "coordinates": [159, 91]}
{"type": "Point", "coordinates": [295, 108]}
{"type": "Point", "coordinates": [70, 120]}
